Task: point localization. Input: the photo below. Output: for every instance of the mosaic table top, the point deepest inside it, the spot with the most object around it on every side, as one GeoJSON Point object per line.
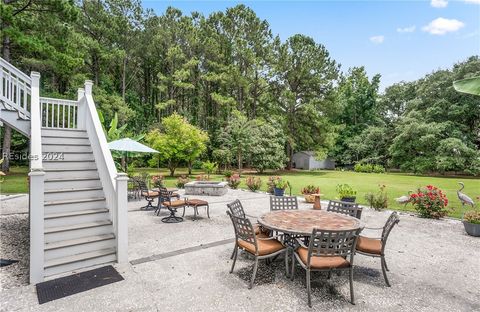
{"type": "Point", "coordinates": [302, 222]}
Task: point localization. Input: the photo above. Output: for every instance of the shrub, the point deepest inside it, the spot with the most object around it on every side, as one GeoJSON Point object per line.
{"type": "Point", "coordinates": [182, 180]}
{"type": "Point", "coordinates": [369, 168]}
{"type": "Point", "coordinates": [201, 177]}
{"type": "Point", "coordinates": [197, 164]}
{"type": "Point", "coordinates": [281, 183]}
{"type": "Point", "coordinates": [345, 190]}
{"type": "Point", "coordinates": [430, 202]}
{"type": "Point", "coordinates": [271, 184]}
{"type": "Point", "coordinates": [234, 181]}
{"type": "Point", "coordinates": [379, 200]}
{"type": "Point", "coordinates": [253, 183]}
{"type": "Point", "coordinates": [209, 167]}
{"type": "Point", "coordinates": [157, 181]}
{"type": "Point", "coordinates": [472, 216]}
{"type": "Point", "coordinates": [310, 189]}
{"type": "Point", "coordinates": [228, 173]}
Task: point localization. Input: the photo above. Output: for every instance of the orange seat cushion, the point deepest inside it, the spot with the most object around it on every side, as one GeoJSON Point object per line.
{"type": "Point", "coordinates": [150, 194]}
{"type": "Point", "coordinates": [369, 245]}
{"type": "Point", "coordinates": [174, 203]}
{"type": "Point", "coordinates": [196, 202]}
{"type": "Point", "coordinates": [265, 247]}
{"type": "Point", "coordinates": [319, 262]}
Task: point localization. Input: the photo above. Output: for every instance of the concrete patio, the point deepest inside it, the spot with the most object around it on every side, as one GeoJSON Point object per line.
{"type": "Point", "coordinates": [184, 267]}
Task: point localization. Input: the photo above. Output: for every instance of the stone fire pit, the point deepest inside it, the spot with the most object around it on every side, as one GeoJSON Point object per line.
{"type": "Point", "coordinates": [209, 188]}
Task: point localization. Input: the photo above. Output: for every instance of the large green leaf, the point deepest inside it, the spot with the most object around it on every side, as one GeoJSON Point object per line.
{"type": "Point", "coordinates": [470, 85]}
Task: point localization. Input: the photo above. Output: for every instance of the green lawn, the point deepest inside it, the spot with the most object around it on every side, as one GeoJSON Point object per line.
{"type": "Point", "coordinates": [397, 183]}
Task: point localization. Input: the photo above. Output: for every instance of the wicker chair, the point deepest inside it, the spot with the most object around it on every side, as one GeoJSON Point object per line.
{"type": "Point", "coordinates": [346, 208]}
{"type": "Point", "coordinates": [260, 246]}
{"type": "Point", "coordinates": [283, 203]}
{"type": "Point", "coordinates": [327, 251]}
{"type": "Point", "coordinates": [149, 195]}
{"type": "Point", "coordinates": [375, 247]}
{"type": "Point", "coordinates": [165, 200]}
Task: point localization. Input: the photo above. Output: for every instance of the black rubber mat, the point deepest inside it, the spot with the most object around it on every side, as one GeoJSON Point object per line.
{"type": "Point", "coordinates": [74, 284]}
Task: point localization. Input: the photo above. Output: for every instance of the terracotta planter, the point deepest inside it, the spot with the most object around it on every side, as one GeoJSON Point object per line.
{"type": "Point", "coordinates": [309, 198]}
{"type": "Point", "coordinates": [472, 229]}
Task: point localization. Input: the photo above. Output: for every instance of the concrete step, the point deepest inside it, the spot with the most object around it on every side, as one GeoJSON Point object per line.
{"type": "Point", "coordinates": [59, 148]}
{"type": "Point", "coordinates": [73, 194]}
{"type": "Point", "coordinates": [69, 164]}
{"type": "Point", "coordinates": [69, 133]}
{"type": "Point", "coordinates": [60, 139]}
{"type": "Point", "coordinates": [70, 184]}
{"type": "Point", "coordinates": [75, 231]}
{"type": "Point", "coordinates": [74, 174]}
{"type": "Point", "coordinates": [79, 261]}
{"type": "Point", "coordinates": [74, 205]}
{"type": "Point", "coordinates": [72, 247]}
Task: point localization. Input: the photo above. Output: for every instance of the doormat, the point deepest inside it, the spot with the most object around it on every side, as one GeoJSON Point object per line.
{"type": "Point", "coordinates": [77, 283]}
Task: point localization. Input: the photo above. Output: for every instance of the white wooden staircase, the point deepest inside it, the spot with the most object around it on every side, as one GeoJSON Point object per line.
{"type": "Point", "coordinates": [78, 201]}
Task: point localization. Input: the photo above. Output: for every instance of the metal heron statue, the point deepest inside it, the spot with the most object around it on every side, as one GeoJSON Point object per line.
{"type": "Point", "coordinates": [404, 199]}
{"type": "Point", "coordinates": [464, 199]}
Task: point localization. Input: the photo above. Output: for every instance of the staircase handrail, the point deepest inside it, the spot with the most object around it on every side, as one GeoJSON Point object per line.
{"type": "Point", "coordinates": [15, 70]}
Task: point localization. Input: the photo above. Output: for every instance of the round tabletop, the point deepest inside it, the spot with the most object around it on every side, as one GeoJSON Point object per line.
{"type": "Point", "coordinates": [302, 222]}
{"type": "Point", "coordinates": [169, 189]}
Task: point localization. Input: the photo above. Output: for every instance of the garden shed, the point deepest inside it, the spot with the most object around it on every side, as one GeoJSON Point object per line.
{"type": "Point", "coordinates": [306, 160]}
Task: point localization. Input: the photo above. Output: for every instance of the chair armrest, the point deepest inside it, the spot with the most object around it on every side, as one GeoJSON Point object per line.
{"type": "Point", "coordinates": [299, 241]}
{"type": "Point", "coordinates": [373, 228]}
{"type": "Point", "coordinates": [269, 238]}
{"type": "Point", "coordinates": [379, 238]}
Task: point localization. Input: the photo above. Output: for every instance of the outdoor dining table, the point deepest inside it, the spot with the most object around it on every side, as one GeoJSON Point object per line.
{"type": "Point", "coordinates": [300, 223]}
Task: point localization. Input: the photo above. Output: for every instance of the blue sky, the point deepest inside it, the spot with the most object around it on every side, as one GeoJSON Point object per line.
{"type": "Point", "coordinates": [401, 40]}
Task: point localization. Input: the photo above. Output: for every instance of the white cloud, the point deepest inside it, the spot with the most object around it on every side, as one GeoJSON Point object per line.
{"type": "Point", "coordinates": [441, 26]}
{"type": "Point", "coordinates": [377, 39]}
{"type": "Point", "coordinates": [408, 29]}
{"type": "Point", "coordinates": [439, 3]}
{"type": "Point", "coordinates": [473, 1]}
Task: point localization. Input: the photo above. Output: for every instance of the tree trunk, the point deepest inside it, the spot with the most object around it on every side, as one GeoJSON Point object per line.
{"type": "Point", "coordinates": [290, 156]}
{"type": "Point", "coordinates": [190, 164]}
{"type": "Point", "coordinates": [239, 156]}
{"type": "Point", "coordinates": [171, 167]}
{"type": "Point", "coordinates": [7, 137]}
{"type": "Point", "coordinates": [124, 75]}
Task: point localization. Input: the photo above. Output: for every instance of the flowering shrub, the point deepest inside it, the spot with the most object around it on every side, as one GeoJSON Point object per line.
{"type": "Point", "coordinates": [234, 181]}
{"type": "Point", "coordinates": [472, 216]}
{"type": "Point", "coordinates": [201, 177]}
{"type": "Point", "coordinates": [157, 181]}
{"type": "Point", "coordinates": [253, 183]}
{"type": "Point", "coordinates": [379, 200]}
{"type": "Point", "coordinates": [182, 180]}
{"type": "Point", "coordinates": [430, 202]}
{"type": "Point", "coordinates": [310, 189]}
{"type": "Point", "coordinates": [271, 184]}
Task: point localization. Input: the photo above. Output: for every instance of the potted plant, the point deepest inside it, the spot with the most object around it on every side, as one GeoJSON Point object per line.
{"type": "Point", "coordinates": [430, 202]}
{"type": "Point", "coordinates": [471, 222]}
{"type": "Point", "coordinates": [279, 186]}
{"type": "Point", "coordinates": [346, 193]}
{"type": "Point", "coordinates": [307, 192]}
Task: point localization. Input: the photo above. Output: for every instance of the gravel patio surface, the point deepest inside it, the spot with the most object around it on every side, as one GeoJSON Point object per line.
{"type": "Point", "coordinates": [433, 265]}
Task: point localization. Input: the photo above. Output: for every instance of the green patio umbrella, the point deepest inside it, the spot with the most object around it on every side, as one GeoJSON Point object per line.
{"type": "Point", "coordinates": [128, 145]}
{"type": "Point", "coordinates": [469, 85]}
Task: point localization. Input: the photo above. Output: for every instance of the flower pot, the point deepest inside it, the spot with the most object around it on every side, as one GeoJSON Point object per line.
{"type": "Point", "coordinates": [350, 199]}
{"type": "Point", "coordinates": [278, 192]}
{"type": "Point", "coordinates": [472, 229]}
{"type": "Point", "coordinates": [309, 198]}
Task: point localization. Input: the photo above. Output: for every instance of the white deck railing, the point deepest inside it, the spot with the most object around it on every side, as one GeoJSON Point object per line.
{"type": "Point", "coordinates": [15, 88]}
{"type": "Point", "coordinates": [59, 114]}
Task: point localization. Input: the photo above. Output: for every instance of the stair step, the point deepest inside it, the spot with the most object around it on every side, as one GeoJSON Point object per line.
{"type": "Point", "coordinates": [76, 226]}
{"type": "Point", "coordinates": [64, 148]}
{"type": "Point", "coordinates": [75, 201]}
{"type": "Point", "coordinates": [71, 179]}
{"type": "Point", "coordinates": [68, 156]}
{"type": "Point", "coordinates": [78, 241]}
{"type": "Point", "coordinates": [75, 213]}
{"type": "Point", "coordinates": [86, 173]}
{"type": "Point", "coordinates": [79, 257]}
{"type": "Point", "coordinates": [71, 165]}
{"type": "Point", "coordinates": [73, 190]}
{"type": "Point", "coordinates": [67, 133]}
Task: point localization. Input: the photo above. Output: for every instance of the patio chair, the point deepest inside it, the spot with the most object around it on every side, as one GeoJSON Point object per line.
{"type": "Point", "coordinates": [346, 208]}
{"type": "Point", "coordinates": [236, 209]}
{"type": "Point", "coordinates": [165, 200]}
{"type": "Point", "coordinates": [327, 251]}
{"type": "Point", "coordinates": [375, 247]}
{"type": "Point", "coordinates": [149, 195]}
{"type": "Point", "coordinates": [258, 245]}
{"type": "Point", "coordinates": [283, 203]}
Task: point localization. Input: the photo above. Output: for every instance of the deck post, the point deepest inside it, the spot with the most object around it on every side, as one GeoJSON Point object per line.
{"type": "Point", "coordinates": [121, 214]}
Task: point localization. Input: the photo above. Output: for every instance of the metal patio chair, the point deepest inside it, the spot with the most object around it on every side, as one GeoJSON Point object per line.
{"type": "Point", "coordinates": [148, 194]}
{"type": "Point", "coordinates": [346, 208]}
{"type": "Point", "coordinates": [283, 203]}
{"type": "Point", "coordinates": [327, 251]}
{"type": "Point", "coordinates": [375, 247]}
{"type": "Point", "coordinates": [258, 245]}
{"type": "Point", "coordinates": [166, 201]}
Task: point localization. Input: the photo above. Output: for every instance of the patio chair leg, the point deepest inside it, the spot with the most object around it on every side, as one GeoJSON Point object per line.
{"type": "Point", "coordinates": [233, 252]}
{"type": "Point", "coordinates": [352, 298]}
{"type": "Point", "coordinates": [234, 256]}
{"type": "Point", "coordinates": [385, 261]}
{"type": "Point", "coordinates": [292, 271]}
{"type": "Point", "coordinates": [286, 262]}
{"type": "Point", "coordinates": [255, 267]}
{"type": "Point", "coordinates": [309, 288]}
{"type": "Point", "coordinates": [329, 274]}
{"type": "Point", "coordinates": [208, 211]}
{"type": "Point", "coordinates": [183, 213]}
{"type": "Point", "coordinates": [385, 272]}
